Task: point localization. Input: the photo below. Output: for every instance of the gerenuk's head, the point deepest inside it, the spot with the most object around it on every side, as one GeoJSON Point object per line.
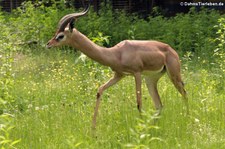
{"type": "Point", "coordinates": [65, 29]}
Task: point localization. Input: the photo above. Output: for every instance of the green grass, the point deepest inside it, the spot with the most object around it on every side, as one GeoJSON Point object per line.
{"type": "Point", "coordinates": [55, 100]}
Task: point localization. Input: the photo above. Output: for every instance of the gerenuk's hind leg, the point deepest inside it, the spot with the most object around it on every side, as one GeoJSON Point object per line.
{"type": "Point", "coordinates": [151, 82]}
{"type": "Point", "coordinates": [173, 70]}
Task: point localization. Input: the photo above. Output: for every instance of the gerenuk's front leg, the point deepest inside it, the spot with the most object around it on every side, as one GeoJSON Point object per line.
{"type": "Point", "coordinates": [111, 82]}
{"type": "Point", "coordinates": [137, 77]}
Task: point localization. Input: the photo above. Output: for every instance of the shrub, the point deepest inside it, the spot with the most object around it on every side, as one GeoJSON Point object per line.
{"type": "Point", "coordinates": [35, 22]}
{"type": "Point", "coordinates": [191, 32]}
{"type": "Point", "coordinates": [6, 85]}
{"type": "Point", "coordinates": [219, 52]}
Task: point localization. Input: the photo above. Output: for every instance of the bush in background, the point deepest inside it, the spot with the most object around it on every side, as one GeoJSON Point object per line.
{"type": "Point", "coordinates": [6, 85]}
{"type": "Point", "coordinates": [192, 32]}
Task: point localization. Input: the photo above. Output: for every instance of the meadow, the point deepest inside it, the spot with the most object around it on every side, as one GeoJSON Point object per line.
{"type": "Point", "coordinates": [48, 95]}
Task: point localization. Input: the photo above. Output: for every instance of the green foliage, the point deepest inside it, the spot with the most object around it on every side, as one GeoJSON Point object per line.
{"type": "Point", "coordinates": [219, 52]}
{"type": "Point", "coordinates": [6, 129]}
{"type": "Point", "coordinates": [6, 76]}
{"type": "Point", "coordinates": [51, 93]}
{"type": "Point", "coordinates": [187, 32]}
{"type": "Point", "coordinates": [100, 39]}
{"type": "Point", "coordinates": [6, 87]}
{"type": "Point", "coordinates": [191, 32]}
{"type": "Point", "coordinates": [143, 134]}
{"type": "Point", "coordinates": [36, 22]}
{"type": "Point", "coordinates": [6, 60]}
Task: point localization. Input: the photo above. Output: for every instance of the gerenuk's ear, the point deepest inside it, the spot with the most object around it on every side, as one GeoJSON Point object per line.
{"type": "Point", "coordinates": [71, 25]}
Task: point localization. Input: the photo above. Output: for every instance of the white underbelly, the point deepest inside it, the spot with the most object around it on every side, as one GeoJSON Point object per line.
{"type": "Point", "coordinates": [149, 73]}
{"type": "Point", "coordinates": [146, 72]}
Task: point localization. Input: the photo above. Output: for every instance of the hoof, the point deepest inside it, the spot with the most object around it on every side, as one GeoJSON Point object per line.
{"type": "Point", "coordinates": [158, 112]}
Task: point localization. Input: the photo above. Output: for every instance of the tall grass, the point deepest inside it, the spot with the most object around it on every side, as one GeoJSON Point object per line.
{"type": "Point", "coordinates": [52, 97]}
{"type": "Point", "coordinates": [55, 101]}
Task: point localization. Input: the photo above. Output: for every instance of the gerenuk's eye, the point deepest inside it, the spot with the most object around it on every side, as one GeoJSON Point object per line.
{"type": "Point", "coordinates": [60, 37]}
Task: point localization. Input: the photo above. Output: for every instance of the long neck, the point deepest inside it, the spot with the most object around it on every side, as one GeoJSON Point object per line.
{"type": "Point", "coordinates": [89, 48]}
